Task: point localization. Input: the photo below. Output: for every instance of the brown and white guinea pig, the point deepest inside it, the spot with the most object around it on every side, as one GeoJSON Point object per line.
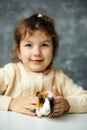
{"type": "Point", "coordinates": [46, 103]}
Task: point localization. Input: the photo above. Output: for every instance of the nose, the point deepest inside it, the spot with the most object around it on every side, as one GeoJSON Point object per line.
{"type": "Point", "coordinates": [47, 110]}
{"type": "Point", "coordinates": [37, 52]}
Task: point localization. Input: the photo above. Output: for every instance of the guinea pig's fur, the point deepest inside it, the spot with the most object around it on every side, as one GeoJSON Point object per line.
{"type": "Point", "coordinates": [45, 104]}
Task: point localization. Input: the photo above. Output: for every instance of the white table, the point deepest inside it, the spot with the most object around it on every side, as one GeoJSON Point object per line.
{"type": "Point", "coordinates": [16, 121]}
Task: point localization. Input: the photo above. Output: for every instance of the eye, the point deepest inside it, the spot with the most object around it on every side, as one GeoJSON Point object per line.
{"type": "Point", "coordinates": [42, 100]}
{"type": "Point", "coordinates": [45, 45]}
{"type": "Point", "coordinates": [28, 45]}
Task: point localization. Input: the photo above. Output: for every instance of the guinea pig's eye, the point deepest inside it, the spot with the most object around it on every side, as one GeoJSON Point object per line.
{"type": "Point", "coordinates": [52, 105]}
{"type": "Point", "coordinates": [42, 100]}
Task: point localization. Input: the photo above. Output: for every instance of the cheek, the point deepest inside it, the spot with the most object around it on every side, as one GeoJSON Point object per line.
{"type": "Point", "coordinates": [48, 54]}
{"type": "Point", "coordinates": [24, 54]}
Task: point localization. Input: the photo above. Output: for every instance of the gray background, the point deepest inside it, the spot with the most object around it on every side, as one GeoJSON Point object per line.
{"type": "Point", "coordinates": [71, 23]}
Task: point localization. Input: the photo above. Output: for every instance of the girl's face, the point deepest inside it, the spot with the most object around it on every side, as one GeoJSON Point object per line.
{"type": "Point", "coordinates": [36, 51]}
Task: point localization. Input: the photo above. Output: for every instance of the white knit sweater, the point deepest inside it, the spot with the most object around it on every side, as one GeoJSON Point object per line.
{"type": "Point", "coordinates": [16, 81]}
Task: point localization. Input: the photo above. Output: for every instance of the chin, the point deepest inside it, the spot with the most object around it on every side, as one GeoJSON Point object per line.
{"type": "Point", "coordinates": [37, 70]}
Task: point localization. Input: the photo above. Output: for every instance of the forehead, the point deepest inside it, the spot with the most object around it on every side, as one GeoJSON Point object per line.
{"type": "Point", "coordinates": [36, 33]}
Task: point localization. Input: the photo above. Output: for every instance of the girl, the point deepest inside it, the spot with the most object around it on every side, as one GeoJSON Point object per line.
{"type": "Point", "coordinates": [36, 44]}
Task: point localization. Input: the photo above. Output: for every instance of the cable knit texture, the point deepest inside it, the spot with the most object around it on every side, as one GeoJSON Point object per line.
{"type": "Point", "coordinates": [15, 81]}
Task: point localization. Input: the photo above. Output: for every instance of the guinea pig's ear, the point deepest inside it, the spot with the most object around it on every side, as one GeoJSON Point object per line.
{"type": "Point", "coordinates": [37, 93]}
{"type": "Point", "coordinates": [44, 94]}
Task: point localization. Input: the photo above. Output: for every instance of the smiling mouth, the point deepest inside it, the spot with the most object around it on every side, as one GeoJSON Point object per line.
{"type": "Point", "coordinates": [37, 61]}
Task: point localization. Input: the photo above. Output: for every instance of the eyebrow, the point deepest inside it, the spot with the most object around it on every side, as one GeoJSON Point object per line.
{"type": "Point", "coordinates": [46, 41]}
{"type": "Point", "coordinates": [41, 41]}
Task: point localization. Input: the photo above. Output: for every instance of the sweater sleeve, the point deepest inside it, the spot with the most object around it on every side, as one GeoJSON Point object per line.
{"type": "Point", "coordinates": [4, 102]}
{"type": "Point", "coordinates": [75, 94]}
{"type": "Point", "coordinates": [5, 78]}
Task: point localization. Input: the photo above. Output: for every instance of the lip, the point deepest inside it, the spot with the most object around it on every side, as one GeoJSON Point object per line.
{"type": "Point", "coordinates": [36, 61]}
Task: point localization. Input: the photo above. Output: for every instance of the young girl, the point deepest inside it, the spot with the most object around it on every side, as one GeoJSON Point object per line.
{"type": "Point", "coordinates": [36, 44]}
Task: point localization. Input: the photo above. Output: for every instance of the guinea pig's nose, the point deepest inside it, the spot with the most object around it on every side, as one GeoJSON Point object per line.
{"type": "Point", "coordinates": [47, 110]}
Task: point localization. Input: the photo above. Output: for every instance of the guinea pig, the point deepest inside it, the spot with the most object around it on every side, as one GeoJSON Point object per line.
{"type": "Point", "coordinates": [46, 103]}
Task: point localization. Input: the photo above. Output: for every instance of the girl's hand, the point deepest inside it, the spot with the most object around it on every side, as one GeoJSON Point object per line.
{"type": "Point", "coordinates": [25, 105]}
{"type": "Point", "coordinates": [61, 105]}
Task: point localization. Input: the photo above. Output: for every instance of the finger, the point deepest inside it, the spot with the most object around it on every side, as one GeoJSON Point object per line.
{"type": "Point", "coordinates": [60, 109]}
{"type": "Point", "coordinates": [58, 112]}
{"type": "Point", "coordinates": [28, 112]}
{"type": "Point", "coordinates": [33, 100]}
{"type": "Point", "coordinates": [55, 114]}
{"type": "Point", "coordinates": [57, 99]}
{"type": "Point", "coordinates": [55, 91]}
{"type": "Point", "coordinates": [57, 107]}
{"type": "Point", "coordinates": [31, 107]}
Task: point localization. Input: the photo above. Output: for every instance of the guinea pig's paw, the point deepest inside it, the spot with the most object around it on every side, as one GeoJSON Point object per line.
{"type": "Point", "coordinates": [50, 116]}
{"type": "Point", "coordinates": [39, 116]}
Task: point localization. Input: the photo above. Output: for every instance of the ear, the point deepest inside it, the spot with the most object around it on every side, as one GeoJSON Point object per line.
{"type": "Point", "coordinates": [44, 93]}
{"type": "Point", "coordinates": [37, 93]}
